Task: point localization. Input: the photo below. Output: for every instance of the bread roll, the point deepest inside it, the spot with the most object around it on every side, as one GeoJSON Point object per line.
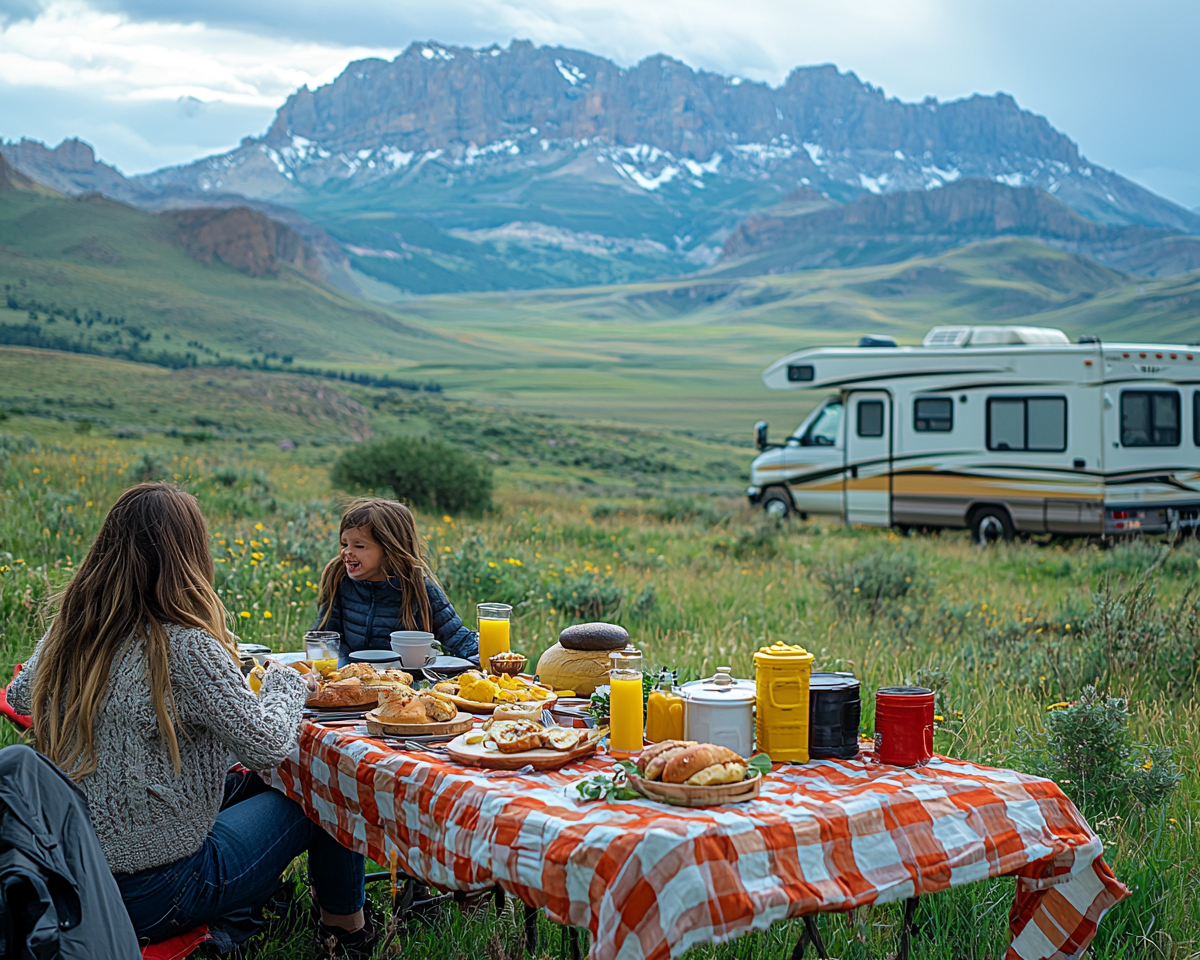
{"type": "Point", "coordinates": [687, 763]}
{"type": "Point", "coordinates": [344, 693]}
{"type": "Point", "coordinates": [358, 670]}
{"type": "Point", "coordinates": [654, 758]}
{"type": "Point", "coordinates": [718, 773]}
{"type": "Point", "coordinates": [437, 709]}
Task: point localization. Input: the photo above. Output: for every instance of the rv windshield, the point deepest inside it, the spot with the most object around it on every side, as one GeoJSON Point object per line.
{"type": "Point", "coordinates": [824, 430]}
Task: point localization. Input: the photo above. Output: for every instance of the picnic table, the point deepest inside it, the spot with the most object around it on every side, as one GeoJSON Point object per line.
{"type": "Point", "coordinates": [649, 881]}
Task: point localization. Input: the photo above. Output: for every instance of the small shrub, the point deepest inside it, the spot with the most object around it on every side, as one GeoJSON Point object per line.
{"type": "Point", "coordinates": [1086, 748]}
{"type": "Point", "coordinates": [645, 602]}
{"type": "Point", "coordinates": [148, 467]}
{"type": "Point", "coordinates": [427, 473]}
{"type": "Point", "coordinates": [684, 509]}
{"type": "Point", "coordinates": [873, 581]}
{"type": "Point", "coordinates": [589, 596]}
{"type": "Point", "coordinates": [128, 432]}
{"type": "Point", "coordinates": [476, 572]}
{"type": "Point", "coordinates": [1134, 635]}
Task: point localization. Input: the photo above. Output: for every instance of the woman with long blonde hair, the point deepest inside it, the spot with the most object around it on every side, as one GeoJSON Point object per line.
{"type": "Point", "coordinates": [380, 582]}
{"type": "Point", "coordinates": [136, 693]}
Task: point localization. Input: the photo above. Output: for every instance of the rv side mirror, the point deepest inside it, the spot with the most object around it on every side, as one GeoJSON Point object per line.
{"type": "Point", "coordinates": [760, 434]}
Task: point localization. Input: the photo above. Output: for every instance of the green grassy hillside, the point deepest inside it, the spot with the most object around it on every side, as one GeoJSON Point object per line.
{"type": "Point", "coordinates": [108, 278]}
{"type": "Point", "coordinates": [93, 275]}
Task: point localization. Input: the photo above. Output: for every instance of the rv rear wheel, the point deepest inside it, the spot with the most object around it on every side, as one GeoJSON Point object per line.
{"type": "Point", "coordinates": [776, 502]}
{"type": "Point", "coordinates": [990, 524]}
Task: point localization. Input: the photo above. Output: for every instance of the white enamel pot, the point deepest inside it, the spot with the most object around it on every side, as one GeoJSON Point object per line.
{"type": "Point", "coordinates": [720, 710]}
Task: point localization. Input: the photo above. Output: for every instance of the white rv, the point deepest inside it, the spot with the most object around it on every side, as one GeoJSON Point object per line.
{"type": "Point", "coordinates": [998, 429]}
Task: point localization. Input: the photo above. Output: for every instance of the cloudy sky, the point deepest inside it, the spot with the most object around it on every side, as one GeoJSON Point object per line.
{"type": "Point", "coordinates": [155, 82]}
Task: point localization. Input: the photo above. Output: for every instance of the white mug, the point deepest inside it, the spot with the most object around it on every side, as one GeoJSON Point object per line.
{"type": "Point", "coordinates": [415, 648]}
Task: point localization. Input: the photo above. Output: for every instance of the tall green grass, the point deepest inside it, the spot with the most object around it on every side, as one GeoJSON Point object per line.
{"type": "Point", "coordinates": [1003, 633]}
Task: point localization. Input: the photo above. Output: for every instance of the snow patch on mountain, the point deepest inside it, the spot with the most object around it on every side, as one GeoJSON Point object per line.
{"type": "Point", "coordinates": [533, 234]}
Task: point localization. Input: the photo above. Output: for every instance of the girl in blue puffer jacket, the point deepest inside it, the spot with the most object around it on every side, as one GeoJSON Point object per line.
{"type": "Point", "coordinates": [380, 582]}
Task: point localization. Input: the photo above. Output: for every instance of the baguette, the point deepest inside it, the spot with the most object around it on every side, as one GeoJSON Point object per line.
{"type": "Point", "coordinates": [655, 757]}
{"type": "Point", "coordinates": [690, 761]}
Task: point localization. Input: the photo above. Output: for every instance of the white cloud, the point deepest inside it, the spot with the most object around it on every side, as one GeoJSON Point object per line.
{"type": "Point", "coordinates": [72, 46]}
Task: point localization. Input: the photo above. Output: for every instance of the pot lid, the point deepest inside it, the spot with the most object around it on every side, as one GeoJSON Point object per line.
{"type": "Point", "coordinates": [780, 652]}
{"type": "Point", "coordinates": [720, 688]}
{"type": "Point", "coordinates": [823, 680]}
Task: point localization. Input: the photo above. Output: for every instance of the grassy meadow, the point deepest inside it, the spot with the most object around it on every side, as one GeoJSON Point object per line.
{"type": "Point", "coordinates": [698, 579]}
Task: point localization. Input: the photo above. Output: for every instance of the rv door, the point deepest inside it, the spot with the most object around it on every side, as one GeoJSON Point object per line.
{"type": "Point", "coordinates": [867, 481]}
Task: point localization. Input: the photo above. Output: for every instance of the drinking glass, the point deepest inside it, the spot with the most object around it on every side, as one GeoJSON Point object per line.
{"type": "Point", "coordinates": [322, 644]}
{"type": "Point", "coordinates": [494, 624]}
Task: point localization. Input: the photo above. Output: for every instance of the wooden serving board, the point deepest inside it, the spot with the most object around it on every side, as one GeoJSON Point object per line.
{"type": "Point", "coordinates": [684, 795]}
{"type": "Point", "coordinates": [461, 723]}
{"type": "Point", "coordinates": [474, 755]}
{"type": "Point", "coordinates": [474, 706]}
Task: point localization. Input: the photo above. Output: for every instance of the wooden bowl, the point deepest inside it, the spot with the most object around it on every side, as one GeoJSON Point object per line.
{"type": "Point", "coordinates": [683, 795]}
{"type": "Point", "coordinates": [510, 663]}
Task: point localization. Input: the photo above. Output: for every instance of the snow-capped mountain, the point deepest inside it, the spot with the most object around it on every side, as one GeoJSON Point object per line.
{"type": "Point", "coordinates": [456, 168]}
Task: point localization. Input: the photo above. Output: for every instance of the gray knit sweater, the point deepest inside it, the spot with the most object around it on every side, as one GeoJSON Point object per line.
{"type": "Point", "coordinates": [144, 814]}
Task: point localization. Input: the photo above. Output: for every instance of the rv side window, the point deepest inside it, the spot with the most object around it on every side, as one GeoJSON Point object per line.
{"type": "Point", "coordinates": [1149, 418]}
{"type": "Point", "coordinates": [933, 414]}
{"type": "Point", "coordinates": [1196, 418]}
{"type": "Point", "coordinates": [870, 418]}
{"type": "Point", "coordinates": [1036, 424]}
{"type": "Point", "coordinates": [824, 431]}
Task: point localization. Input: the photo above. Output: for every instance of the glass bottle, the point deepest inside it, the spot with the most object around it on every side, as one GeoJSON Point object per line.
{"type": "Point", "coordinates": [625, 706]}
{"type": "Point", "coordinates": [664, 710]}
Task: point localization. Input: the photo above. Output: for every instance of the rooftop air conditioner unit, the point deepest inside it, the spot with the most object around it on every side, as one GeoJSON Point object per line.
{"type": "Point", "coordinates": [947, 337]}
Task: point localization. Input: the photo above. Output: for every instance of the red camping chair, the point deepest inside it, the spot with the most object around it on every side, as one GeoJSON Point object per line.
{"type": "Point", "coordinates": [20, 720]}
{"type": "Point", "coordinates": [176, 948]}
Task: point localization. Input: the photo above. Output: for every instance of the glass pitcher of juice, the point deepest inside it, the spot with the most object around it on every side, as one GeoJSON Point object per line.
{"type": "Point", "coordinates": [493, 630]}
{"type": "Point", "coordinates": [625, 702]}
{"type": "Point", "coordinates": [664, 710]}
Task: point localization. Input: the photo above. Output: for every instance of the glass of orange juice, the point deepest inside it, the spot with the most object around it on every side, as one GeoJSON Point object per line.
{"type": "Point", "coordinates": [626, 717]}
{"type": "Point", "coordinates": [494, 622]}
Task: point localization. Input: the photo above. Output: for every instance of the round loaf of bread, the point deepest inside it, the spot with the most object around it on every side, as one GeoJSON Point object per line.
{"type": "Point", "coordinates": [688, 762]}
{"type": "Point", "coordinates": [594, 636]}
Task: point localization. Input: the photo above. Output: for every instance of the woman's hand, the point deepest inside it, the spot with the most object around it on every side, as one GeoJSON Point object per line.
{"type": "Point", "coordinates": [312, 684]}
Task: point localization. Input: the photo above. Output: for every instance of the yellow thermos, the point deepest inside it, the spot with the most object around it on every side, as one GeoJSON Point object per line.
{"type": "Point", "coordinates": [782, 671]}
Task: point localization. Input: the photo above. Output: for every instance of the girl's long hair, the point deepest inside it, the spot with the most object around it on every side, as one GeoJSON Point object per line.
{"type": "Point", "coordinates": [392, 526]}
{"type": "Point", "coordinates": [148, 567]}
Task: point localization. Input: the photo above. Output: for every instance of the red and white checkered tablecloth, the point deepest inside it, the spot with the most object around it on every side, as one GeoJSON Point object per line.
{"type": "Point", "coordinates": [649, 881]}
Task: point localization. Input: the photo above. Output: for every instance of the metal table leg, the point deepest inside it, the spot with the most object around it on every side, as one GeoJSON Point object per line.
{"type": "Point", "coordinates": [908, 928]}
{"type": "Point", "coordinates": [531, 929]}
{"type": "Point", "coordinates": [571, 935]}
{"type": "Point", "coordinates": [810, 934]}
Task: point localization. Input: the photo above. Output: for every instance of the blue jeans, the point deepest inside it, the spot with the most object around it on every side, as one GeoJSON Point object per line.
{"type": "Point", "coordinates": [257, 834]}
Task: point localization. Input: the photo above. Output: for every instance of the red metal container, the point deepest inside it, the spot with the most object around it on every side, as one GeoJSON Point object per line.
{"type": "Point", "coordinates": [904, 725]}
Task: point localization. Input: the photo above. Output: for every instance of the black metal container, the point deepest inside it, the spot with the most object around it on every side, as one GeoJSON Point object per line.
{"type": "Point", "coordinates": [834, 710]}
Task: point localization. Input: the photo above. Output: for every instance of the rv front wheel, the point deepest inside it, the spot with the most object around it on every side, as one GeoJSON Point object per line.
{"type": "Point", "coordinates": [776, 502]}
{"type": "Point", "coordinates": [990, 524]}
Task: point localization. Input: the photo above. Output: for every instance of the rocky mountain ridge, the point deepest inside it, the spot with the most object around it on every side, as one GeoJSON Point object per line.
{"type": "Point", "coordinates": [884, 229]}
{"type": "Point", "coordinates": [451, 168]}
{"type": "Point", "coordinates": [660, 123]}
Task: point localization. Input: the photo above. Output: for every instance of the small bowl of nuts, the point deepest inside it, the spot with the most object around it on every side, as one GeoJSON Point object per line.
{"type": "Point", "coordinates": [510, 663]}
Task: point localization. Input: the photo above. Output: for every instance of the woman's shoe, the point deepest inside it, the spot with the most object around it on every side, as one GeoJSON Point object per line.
{"type": "Point", "coordinates": [358, 945]}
